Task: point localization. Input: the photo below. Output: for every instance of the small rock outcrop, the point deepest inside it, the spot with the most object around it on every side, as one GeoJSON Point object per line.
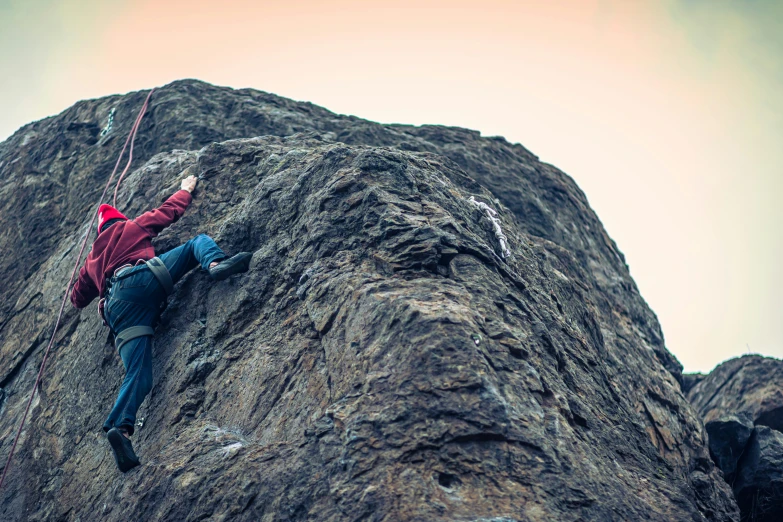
{"type": "Point", "coordinates": [751, 384]}
{"type": "Point", "coordinates": [741, 402]}
{"type": "Point", "coordinates": [689, 380]}
{"type": "Point", "coordinates": [759, 482]}
{"type": "Point", "coordinates": [728, 436]}
{"type": "Point", "coordinates": [382, 360]}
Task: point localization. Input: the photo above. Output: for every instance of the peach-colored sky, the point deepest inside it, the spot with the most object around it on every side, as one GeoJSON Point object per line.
{"type": "Point", "coordinates": [667, 113]}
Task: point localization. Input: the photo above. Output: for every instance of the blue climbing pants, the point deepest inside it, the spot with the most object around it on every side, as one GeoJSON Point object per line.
{"type": "Point", "coordinates": [137, 300]}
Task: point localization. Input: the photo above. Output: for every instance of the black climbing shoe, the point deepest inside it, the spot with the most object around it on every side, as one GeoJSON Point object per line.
{"type": "Point", "coordinates": [233, 265]}
{"type": "Point", "coordinates": [123, 450]}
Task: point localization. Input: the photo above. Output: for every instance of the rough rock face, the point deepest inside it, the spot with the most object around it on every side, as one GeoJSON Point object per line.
{"type": "Point", "coordinates": [380, 361]}
{"type": "Point", "coordinates": [689, 380]}
{"type": "Point", "coordinates": [728, 435]}
{"type": "Point", "coordinates": [741, 402]}
{"type": "Point", "coordinates": [759, 483]}
{"type": "Point", "coordinates": [751, 384]}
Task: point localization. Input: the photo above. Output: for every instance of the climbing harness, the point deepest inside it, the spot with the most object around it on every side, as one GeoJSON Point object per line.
{"type": "Point", "coordinates": [131, 333]}
{"type": "Point", "coordinates": [163, 276]}
{"type": "Point", "coordinates": [157, 268]}
{"type": "Point", "coordinates": [492, 215]}
{"type": "Point", "coordinates": [119, 273]}
{"type": "Point", "coordinates": [130, 139]}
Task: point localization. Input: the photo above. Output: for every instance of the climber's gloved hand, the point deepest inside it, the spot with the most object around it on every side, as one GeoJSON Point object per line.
{"type": "Point", "coordinates": [189, 183]}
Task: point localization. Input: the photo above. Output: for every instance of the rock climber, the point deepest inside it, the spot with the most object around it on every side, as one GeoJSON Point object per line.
{"type": "Point", "coordinates": [133, 284]}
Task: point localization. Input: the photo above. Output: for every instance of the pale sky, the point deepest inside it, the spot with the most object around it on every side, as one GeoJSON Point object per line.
{"type": "Point", "coordinates": [667, 113]}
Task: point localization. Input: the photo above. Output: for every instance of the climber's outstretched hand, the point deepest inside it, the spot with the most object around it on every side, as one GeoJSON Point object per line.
{"type": "Point", "coordinates": [189, 183]}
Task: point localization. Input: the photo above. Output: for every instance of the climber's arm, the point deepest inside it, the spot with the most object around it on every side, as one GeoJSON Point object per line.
{"type": "Point", "coordinates": [84, 291]}
{"type": "Point", "coordinates": [169, 212]}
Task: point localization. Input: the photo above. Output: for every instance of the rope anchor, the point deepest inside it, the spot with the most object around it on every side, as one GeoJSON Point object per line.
{"type": "Point", "coordinates": [492, 215]}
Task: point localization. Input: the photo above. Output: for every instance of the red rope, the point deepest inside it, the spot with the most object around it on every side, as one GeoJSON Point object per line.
{"type": "Point", "coordinates": [131, 138]}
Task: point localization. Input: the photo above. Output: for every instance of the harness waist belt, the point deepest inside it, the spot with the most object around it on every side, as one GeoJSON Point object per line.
{"type": "Point", "coordinates": [131, 333]}
{"type": "Point", "coordinates": [157, 268]}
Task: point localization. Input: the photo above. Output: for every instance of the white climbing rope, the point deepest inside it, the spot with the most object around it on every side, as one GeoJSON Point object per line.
{"type": "Point", "coordinates": [492, 215]}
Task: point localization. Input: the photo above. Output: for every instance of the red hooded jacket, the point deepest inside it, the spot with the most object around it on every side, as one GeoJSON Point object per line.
{"type": "Point", "coordinates": [122, 243]}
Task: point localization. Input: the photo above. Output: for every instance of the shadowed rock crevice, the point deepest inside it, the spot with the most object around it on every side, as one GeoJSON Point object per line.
{"type": "Point", "coordinates": [381, 360]}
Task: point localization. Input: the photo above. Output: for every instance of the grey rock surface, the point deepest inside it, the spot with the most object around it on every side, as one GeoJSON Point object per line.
{"type": "Point", "coordinates": [728, 435]}
{"type": "Point", "coordinates": [749, 384]}
{"type": "Point", "coordinates": [741, 402]}
{"type": "Point", "coordinates": [689, 380]}
{"type": "Point", "coordinates": [759, 483]}
{"type": "Point", "coordinates": [380, 360]}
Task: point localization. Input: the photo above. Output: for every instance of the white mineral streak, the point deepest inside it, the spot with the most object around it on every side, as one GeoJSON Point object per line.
{"type": "Point", "coordinates": [231, 449]}
{"type": "Point", "coordinates": [492, 215]}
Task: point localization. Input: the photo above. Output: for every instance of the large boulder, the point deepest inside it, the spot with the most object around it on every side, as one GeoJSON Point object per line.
{"type": "Point", "coordinates": [741, 402]}
{"type": "Point", "coordinates": [381, 360]}
{"type": "Point", "coordinates": [759, 483]}
{"type": "Point", "coordinates": [728, 436]}
{"type": "Point", "coordinates": [750, 384]}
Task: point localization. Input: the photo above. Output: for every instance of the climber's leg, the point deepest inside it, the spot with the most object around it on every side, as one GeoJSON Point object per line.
{"type": "Point", "coordinates": [122, 448]}
{"type": "Point", "coordinates": [201, 250]}
{"type": "Point", "coordinates": [133, 301]}
{"type": "Point", "coordinates": [137, 358]}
